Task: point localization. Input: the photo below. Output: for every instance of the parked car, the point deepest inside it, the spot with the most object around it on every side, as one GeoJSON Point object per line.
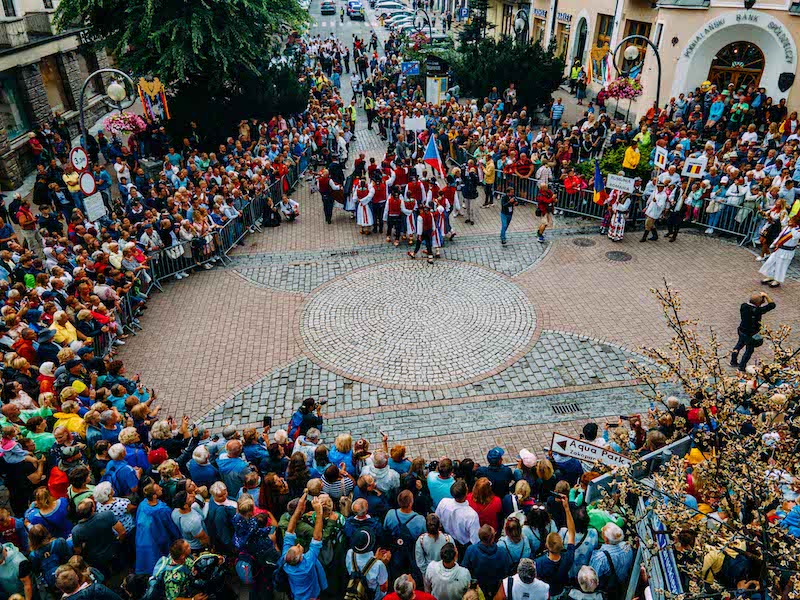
{"type": "Point", "coordinates": [355, 10]}
{"type": "Point", "coordinates": [327, 7]}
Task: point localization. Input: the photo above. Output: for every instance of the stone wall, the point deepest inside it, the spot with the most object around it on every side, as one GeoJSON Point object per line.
{"type": "Point", "coordinates": [33, 92]}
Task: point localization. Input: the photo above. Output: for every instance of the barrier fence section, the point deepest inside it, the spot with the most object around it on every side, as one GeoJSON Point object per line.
{"type": "Point", "coordinates": [190, 254]}
{"type": "Point", "coordinates": [198, 251]}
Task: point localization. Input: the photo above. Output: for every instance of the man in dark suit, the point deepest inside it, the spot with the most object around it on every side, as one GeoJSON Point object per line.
{"type": "Point", "coordinates": [749, 338]}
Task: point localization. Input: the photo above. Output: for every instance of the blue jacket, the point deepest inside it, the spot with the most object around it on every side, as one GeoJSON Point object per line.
{"type": "Point", "coordinates": [488, 564]}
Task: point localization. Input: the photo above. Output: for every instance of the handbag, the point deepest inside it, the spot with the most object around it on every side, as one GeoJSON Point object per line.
{"type": "Point", "coordinates": [713, 207]}
{"type": "Point", "coordinates": [756, 340]}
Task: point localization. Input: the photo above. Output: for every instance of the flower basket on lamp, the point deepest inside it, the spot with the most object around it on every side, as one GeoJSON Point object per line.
{"type": "Point", "coordinates": [625, 88]}
{"type": "Point", "coordinates": [123, 123]}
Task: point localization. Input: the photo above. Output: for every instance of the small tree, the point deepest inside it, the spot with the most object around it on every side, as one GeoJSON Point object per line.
{"type": "Point", "coordinates": [750, 438]}
{"type": "Point", "coordinates": [496, 63]}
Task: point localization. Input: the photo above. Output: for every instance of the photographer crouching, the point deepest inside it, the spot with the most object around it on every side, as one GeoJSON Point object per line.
{"type": "Point", "coordinates": [308, 416]}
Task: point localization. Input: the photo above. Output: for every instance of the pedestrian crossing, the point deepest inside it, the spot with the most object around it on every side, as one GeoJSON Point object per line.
{"type": "Point", "coordinates": [338, 23]}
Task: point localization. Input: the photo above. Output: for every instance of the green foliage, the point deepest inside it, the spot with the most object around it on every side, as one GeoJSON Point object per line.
{"type": "Point", "coordinates": [275, 89]}
{"type": "Point", "coordinates": [210, 54]}
{"type": "Point", "coordinates": [489, 63]}
{"type": "Point", "coordinates": [612, 163]}
{"type": "Point", "coordinates": [478, 25]}
{"type": "Point", "coordinates": [180, 40]}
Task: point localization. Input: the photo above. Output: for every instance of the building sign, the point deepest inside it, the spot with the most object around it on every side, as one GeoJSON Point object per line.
{"type": "Point", "coordinates": [540, 13]}
{"type": "Point", "coordinates": [563, 17]}
{"type": "Point", "coordinates": [762, 20]}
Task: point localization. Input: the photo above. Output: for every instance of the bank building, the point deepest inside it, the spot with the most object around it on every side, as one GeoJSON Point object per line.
{"type": "Point", "coordinates": [721, 41]}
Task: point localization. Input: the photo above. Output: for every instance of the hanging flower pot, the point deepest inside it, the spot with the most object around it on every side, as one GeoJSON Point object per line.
{"type": "Point", "coordinates": [625, 88]}
{"type": "Point", "coordinates": [121, 123]}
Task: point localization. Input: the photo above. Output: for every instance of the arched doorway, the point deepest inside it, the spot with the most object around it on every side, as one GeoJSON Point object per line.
{"type": "Point", "coordinates": [740, 63]}
{"type": "Point", "coordinates": [580, 42]}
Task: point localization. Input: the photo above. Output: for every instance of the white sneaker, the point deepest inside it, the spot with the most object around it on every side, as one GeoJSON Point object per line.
{"type": "Point", "coordinates": [709, 231]}
{"type": "Point", "coordinates": [761, 258]}
{"type": "Point", "coordinates": [118, 343]}
{"type": "Point", "coordinates": [179, 276]}
{"type": "Point", "coordinates": [207, 266]}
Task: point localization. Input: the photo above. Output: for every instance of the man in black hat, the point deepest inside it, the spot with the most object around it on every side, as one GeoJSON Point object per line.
{"type": "Point", "coordinates": [362, 559]}
{"type": "Point", "coordinates": [47, 350]}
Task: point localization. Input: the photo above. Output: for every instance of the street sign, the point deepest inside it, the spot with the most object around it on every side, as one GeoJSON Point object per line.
{"type": "Point", "coordinates": [463, 13]}
{"type": "Point", "coordinates": [660, 159]}
{"type": "Point", "coordinates": [695, 168]}
{"type": "Point", "coordinates": [583, 450]}
{"type": "Point", "coordinates": [415, 124]}
{"type": "Point", "coordinates": [435, 66]}
{"type": "Point", "coordinates": [410, 67]}
{"type": "Point", "coordinates": [618, 182]}
{"type": "Point", "coordinates": [87, 183]}
{"type": "Point", "coordinates": [95, 208]}
{"type": "Point", "coordinates": [79, 159]}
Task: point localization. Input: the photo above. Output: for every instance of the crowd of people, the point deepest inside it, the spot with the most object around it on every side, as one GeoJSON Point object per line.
{"type": "Point", "coordinates": [745, 188]}
{"type": "Point", "coordinates": [108, 497]}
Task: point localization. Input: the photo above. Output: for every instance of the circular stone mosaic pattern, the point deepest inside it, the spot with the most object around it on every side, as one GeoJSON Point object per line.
{"type": "Point", "coordinates": [410, 324]}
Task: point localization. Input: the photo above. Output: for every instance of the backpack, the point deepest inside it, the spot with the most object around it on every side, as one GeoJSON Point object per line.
{"type": "Point", "coordinates": [402, 542]}
{"type": "Point", "coordinates": [293, 429]}
{"type": "Point", "coordinates": [348, 186]}
{"type": "Point", "coordinates": [280, 580]}
{"type": "Point", "coordinates": [613, 586]}
{"type": "Point", "coordinates": [734, 569]}
{"type": "Point", "coordinates": [49, 559]}
{"type": "Point", "coordinates": [156, 586]}
{"type": "Point", "coordinates": [357, 588]}
{"type": "Point", "coordinates": [331, 544]}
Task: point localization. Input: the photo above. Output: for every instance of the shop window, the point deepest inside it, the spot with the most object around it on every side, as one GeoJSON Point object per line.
{"type": "Point", "coordinates": [507, 24]}
{"type": "Point", "coordinates": [54, 84]}
{"type": "Point", "coordinates": [605, 25]}
{"type": "Point", "coordinates": [48, 4]}
{"type": "Point", "coordinates": [538, 30]}
{"type": "Point", "coordinates": [636, 28]}
{"type": "Point", "coordinates": [12, 110]}
{"type": "Point", "coordinates": [9, 10]}
{"type": "Point", "coordinates": [87, 64]}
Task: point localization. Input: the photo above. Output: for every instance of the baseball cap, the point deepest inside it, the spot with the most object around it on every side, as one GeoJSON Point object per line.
{"type": "Point", "coordinates": [495, 454]}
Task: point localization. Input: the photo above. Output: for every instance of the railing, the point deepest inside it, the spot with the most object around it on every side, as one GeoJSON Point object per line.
{"type": "Point", "coordinates": [740, 220]}
{"type": "Point", "coordinates": [190, 254]}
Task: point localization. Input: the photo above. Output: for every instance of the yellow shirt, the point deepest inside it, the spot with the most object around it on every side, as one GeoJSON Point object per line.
{"type": "Point", "coordinates": [72, 180]}
{"type": "Point", "coordinates": [489, 172]}
{"type": "Point", "coordinates": [65, 334]}
{"type": "Point", "coordinates": [631, 160]}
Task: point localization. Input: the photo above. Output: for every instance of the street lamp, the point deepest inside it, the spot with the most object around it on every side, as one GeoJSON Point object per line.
{"type": "Point", "coordinates": [521, 25]}
{"type": "Point", "coordinates": [421, 19]}
{"type": "Point", "coordinates": [116, 92]}
{"type": "Point", "coordinates": [632, 53]}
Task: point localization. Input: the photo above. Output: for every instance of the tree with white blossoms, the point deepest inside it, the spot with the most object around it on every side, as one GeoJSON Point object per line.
{"type": "Point", "coordinates": [747, 446]}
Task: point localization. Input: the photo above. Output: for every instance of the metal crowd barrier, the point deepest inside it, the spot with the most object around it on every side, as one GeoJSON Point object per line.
{"type": "Point", "coordinates": [179, 258]}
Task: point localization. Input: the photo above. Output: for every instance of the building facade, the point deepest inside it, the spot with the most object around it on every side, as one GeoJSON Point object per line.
{"type": "Point", "coordinates": [41, 74]}
{"type": "Point", "coordinates": [719, 41]}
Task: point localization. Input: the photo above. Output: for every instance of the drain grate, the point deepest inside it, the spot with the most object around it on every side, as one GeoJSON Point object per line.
{"type": "Point", "coordinates": [565, 409]}
{"type": "Point", "coordinates": [584, 242]}
{"type": "Point", "coordinates": [618, 256]}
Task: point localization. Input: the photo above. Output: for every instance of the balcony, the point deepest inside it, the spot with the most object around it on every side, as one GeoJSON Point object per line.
{"type": "Point", "coordinates": [13, 33]}
{"type": "Point", "coordinates": [39, 24]}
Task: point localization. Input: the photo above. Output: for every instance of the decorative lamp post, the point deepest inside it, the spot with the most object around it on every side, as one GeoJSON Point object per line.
{"type": "Point", "coordinates": [116, 94]}
{"type": "Point", "coordinates": [631, 54]}
{"type": "Point", "coordinates": [521, 26]}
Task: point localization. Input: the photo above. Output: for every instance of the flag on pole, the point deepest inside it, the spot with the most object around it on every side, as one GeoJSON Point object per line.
{"type": "Point", "coordinates": [589, 68]}
{"type": "Point", "coordinates": [600, 194]}
{"type": "Point", "coordinates": [431, 156]}
{"type": "Point", "coordinates": [609, 73]}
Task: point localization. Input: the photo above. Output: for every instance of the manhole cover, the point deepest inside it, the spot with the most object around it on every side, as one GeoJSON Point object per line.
{"type": "Point", "coordinates": [584, 242]}
{"type": "Point", "coordinates": [618, 256]}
